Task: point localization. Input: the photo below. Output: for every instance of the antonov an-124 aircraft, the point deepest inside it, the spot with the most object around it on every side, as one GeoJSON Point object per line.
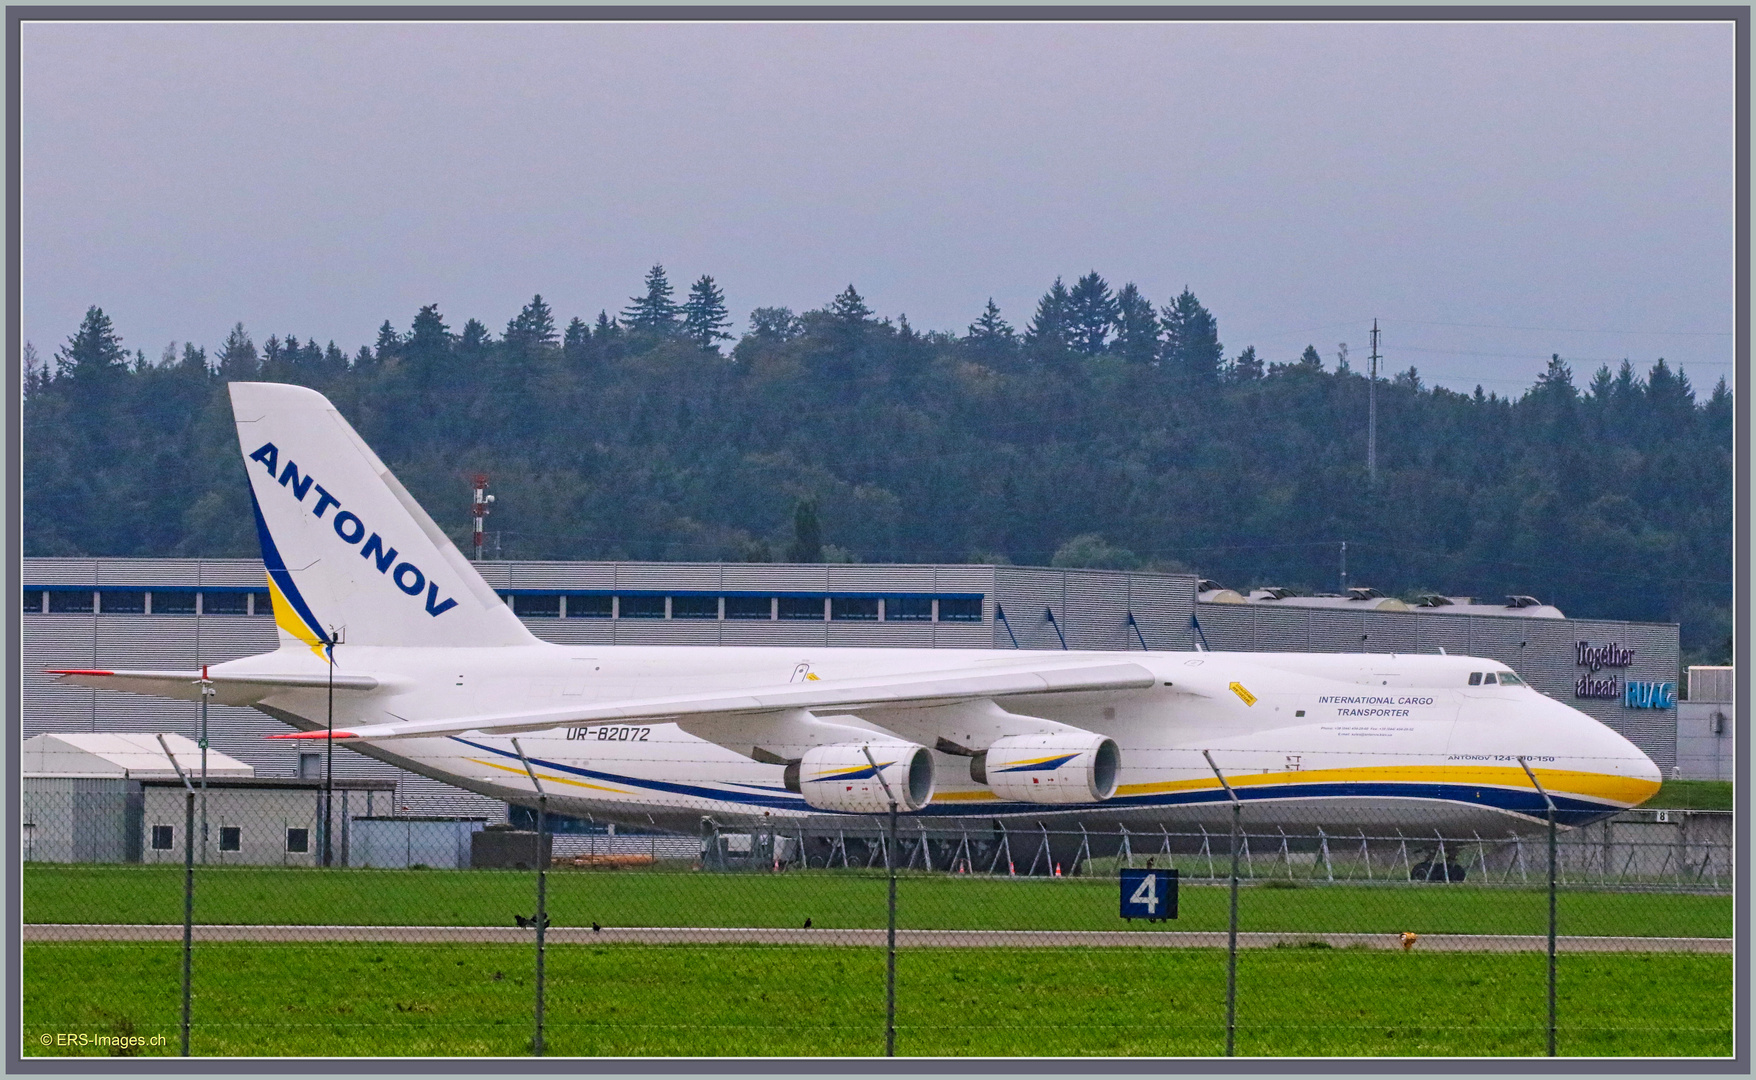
{"type": "Point", "coordinates": [433, 672]}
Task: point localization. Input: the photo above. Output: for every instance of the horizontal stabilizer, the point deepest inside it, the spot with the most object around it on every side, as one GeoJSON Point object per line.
{"type": "Point", "coordinates": [228, 689]}
{"type": "Point", "coordinates": [916, 688]}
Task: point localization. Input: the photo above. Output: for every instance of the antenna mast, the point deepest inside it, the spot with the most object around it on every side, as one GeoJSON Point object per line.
{"type": "Point", "coordinates": [1372, 412]}
{"type": "Point", "coordinates": [479, 510]}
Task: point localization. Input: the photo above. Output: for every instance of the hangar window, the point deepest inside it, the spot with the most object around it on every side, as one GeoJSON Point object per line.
{"type": "Point", "coordinates": [641, 607]}
{"type": "Point", "coordinates": [801, 607]}
{"type": "Point", "coordinates": [122, 602]}
{"type": "Point", "coordinates": [749, 607]}
{"type": "Point", "coordinates": [231, 837]}
{"type": "Point", "coordinates": [176, 602]}
{"type": "Point", "coordinates": [960, 609]}
{"type": "Point", "coordinates": [263, 604]}
{"type": "Point", "coordinates": [33, 601]}
{"type": "Point", "coordinates": [694, 607]}
{"type": "Point", "coordinates": [1475, 678]}
{"type": "Point", "coordinates": [908, 609]}
{"type": "Point", "coordinates": [163, 836]}
{"type": "Point", "coordinates": [536, 607]}
{"type": "Point", "coordinates": [225, 603]}
{"type": "Point", "coordinates": [590, 606]}
{"type": "Point", "coordinates": [298, 841]}
{"type": "Point", "coordinates": [70, 601]}
{"type": "Point", "coordinates": [854, 609]}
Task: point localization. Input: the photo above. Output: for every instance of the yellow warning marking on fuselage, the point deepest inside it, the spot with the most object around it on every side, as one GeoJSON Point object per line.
{"type": "Point", "coordinates": [1607, 787]}
{"type": "Point", "coordinates": [811, 676]}
{"type": "Point", "coordinates": [546, 777]}
{"type": "Point", "coordinates": [1243, 695]}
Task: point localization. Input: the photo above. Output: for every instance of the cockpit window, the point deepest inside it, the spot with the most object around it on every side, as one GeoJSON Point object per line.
{"type": "Point", "coordinates": [1475, 678]}
{"type": "Point", "coordinates": [1488, 679]}
{"type": "Point", "coordinates": [1509, 679]}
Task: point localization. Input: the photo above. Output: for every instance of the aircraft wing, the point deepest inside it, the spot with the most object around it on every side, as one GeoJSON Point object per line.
{"type": "Point", "coordinates": [916, 688]}
{"type": "Point", "coordinates": [229, 689]}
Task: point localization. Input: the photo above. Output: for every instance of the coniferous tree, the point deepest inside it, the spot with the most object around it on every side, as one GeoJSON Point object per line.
{"type": "Point", "coordinates": [807, 545]}
{"type": "Point", "coordinates": [849, 309]}
{"type": "Point", "coordinates": [1192, 347]}
{"type": "Point", "coordinates": [990, 333]}
{"type": "Point", "coordinates": [389, 345]}
{"type": "Point", "coordinates": [1137, 327]}
{"type": "Point", "coordinates": [1310, 360]}
{"type": "Point", "coordinates": [576, 342]}
{"type": "Point", "coordinates": [656, 312]}
{"type": "Point", "coordinates": [1245, 367]}
{"type": "Point", "coordinates": [532, 329]}
{"type": "Point", "coordinates": [1091, 312]}
{"type": "Point", "coordinates": [237, 357]}
{"type": "Point", "coordinates": [704, 315]}
{"type": "Point", "coordinates": [1049, 329]}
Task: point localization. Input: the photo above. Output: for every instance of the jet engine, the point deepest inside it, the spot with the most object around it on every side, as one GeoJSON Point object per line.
{"type": "Point", "coordinates": [839, 777]}
{"type": "Point", "coordinates": [1054, 768]}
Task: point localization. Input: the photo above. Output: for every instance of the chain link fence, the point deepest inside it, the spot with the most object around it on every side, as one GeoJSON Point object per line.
{"type": "Point", "coordinates": [144, 935]}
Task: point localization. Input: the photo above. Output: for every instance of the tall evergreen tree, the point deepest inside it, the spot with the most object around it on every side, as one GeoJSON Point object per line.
{"type": "Point", "coordinates": [1137, 327]}
{"type": "Point", "coordinates": [94, 353]}
{"type": "Point", "coordinates": [704, 315]}
{"type": "Point", "coordinates": [1049, 329]}
{"type": "Point", "coordinates": [849, 309]}
{"type": "Point", "coordinates": [389, 345]}
{"type": "Point", "coordinates": [1192, 347]}
{"type": "Point", "coordinates": [656, 312]}
{"type": "Point", "coordinates": [990, 331]}
{"type": "Point", "coordinates": [237, 357]}
{"type": "Point", "coordinates": [533, 328]}
{"type": "Point", "coordinates": [1091, 312]}
{"type": "Point", "coordinates": [807, 545]}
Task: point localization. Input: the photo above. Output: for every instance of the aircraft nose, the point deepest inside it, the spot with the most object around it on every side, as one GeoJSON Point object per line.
{"type": "Point", "coordinates": [1619, 770]}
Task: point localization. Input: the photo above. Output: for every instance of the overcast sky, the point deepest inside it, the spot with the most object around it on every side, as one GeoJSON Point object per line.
{"type": "Point", "coordinates": [1490, 193]}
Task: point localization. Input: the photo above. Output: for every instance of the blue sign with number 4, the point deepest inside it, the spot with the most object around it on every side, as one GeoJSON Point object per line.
{"type": "Point", "coordinates": [1149, 894]}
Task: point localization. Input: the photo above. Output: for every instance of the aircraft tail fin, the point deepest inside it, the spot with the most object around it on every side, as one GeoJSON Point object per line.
{"type": "Point", "coordinates": [349, 553]}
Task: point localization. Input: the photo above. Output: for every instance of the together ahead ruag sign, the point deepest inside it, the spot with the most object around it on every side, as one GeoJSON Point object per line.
{"type": "Point", "coordinates": [1603, 678]}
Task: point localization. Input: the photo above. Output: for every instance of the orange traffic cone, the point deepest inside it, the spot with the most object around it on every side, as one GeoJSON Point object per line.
{"type": "Point", "coordinates": [1057, 869]}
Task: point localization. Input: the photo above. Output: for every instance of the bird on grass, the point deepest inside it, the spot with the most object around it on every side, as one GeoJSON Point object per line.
{"type": "Point", "coordinates": [529, 924]}
{"type": "Point", "coordinates": [807, 923]}
{"type": "Point", "coordinates": [595, 928]}
{"type": "Point", "coordinates": [1409, 939]}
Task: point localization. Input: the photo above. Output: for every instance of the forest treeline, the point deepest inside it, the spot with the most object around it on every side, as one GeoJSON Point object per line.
{"type": "Point", "coordinates": [1109, 431]}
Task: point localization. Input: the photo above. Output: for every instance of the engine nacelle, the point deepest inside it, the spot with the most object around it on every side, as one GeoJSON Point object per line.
{"type": "Point", "coordinates": [838, 777]}
{"type": "Point", "coordinates": [1055, 768]}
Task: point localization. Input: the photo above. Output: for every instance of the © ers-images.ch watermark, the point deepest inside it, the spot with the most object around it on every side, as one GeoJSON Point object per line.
{"type": "Point", "coordinates": [107, 1042]}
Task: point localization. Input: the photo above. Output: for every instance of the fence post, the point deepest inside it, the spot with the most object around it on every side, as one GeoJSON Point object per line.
{"type": "Point", "coordinates": [542, 919]}
{"type": "Point", "coordinates": [188, 884]}
{"type": "Point", "coordinates": [1232, 923]}
{"type": "Point", "coordinates": [1552, 861]}
{"type": "Point", "coordinates": [890, 939]}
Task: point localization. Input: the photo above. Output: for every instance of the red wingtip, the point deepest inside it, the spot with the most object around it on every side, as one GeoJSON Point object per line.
{"type": "Point", "coordinates": [313, 735]}
{"type": "Point", "coordinates": [75, 671]}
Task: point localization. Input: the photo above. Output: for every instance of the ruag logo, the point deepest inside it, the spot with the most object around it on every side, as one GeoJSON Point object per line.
{"type": "Point", "coordinates": [407, 576]}
{"type": "Point", "coordinates": [1650, 695]}
{"type": "Point", "coordinates": [1596, 658]}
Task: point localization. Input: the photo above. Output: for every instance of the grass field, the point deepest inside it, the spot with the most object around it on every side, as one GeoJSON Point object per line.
{"type": "Point", "coordinates": [768, 1000]}
{"type": "Point", "coordinates": [831, 899]}
{"type": "Point", "coordinates": [1691, 795]}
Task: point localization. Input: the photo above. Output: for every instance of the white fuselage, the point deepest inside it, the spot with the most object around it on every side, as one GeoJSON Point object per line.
{"type": "Point", "coordinates": [1349, 740]}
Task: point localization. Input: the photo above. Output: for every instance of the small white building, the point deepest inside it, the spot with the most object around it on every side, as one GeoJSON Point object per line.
{"type": "Point", "coordinates": [115, 797]}
{"type": "Point", "coordinates": [1704, 726]}
{"type": "Point", "coordinates": [81, 797]}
